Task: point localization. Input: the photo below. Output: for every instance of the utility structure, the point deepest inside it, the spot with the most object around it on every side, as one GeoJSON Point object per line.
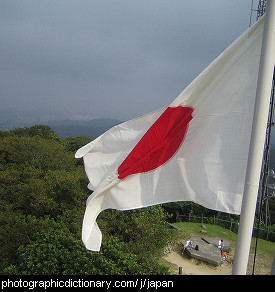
{"type": "Point", "coordinates": [260, 9]}
{"type": "Point", "coordinates": [267, 182]}
{"type": "Point", "coordinates": [257, 143]}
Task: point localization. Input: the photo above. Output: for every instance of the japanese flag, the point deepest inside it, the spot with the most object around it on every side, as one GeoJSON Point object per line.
{"type": "Point", "coordinates": [196, 149]}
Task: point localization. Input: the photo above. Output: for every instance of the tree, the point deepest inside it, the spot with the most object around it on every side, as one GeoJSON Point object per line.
{"type": "Point", "coordinates": [41, 131]}
{"type": "Point", "coordinates": [43, 191]}
{"type": "Point", "coordinates": [73, 144]}
{"type": "Point", "coordinates": [52, 253]}
{"type": "Point", "coordinates": [144, 230]}
{"type": "Point", "coordinates": [39, 177]}
{"type": "Point", "coordinates": [18, 230]}
{"type": "Point", "coordinates": [35, 152]}
{"type": "Point", "coordinates": [40, 185]}
{"type": "Point", "coordinates": [59, 253]}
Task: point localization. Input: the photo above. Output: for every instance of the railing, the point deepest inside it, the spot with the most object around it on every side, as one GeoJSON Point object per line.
{"type": "Point", "coordinates": [232, 225]}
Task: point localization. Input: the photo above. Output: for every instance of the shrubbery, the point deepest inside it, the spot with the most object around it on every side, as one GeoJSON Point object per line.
{"type": "Point", "coordinates": [42, 200]}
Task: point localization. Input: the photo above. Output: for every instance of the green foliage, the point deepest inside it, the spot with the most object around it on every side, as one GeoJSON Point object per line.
{"type": "Point", "coordinates": [18, 230]}
{"type": "Point", "coordinates": [43, 191]}
{"type": "Point", "coordinates": [52, 253]}
{"type": "Point", "coordinates": [144, 230]}
{"type": "Point", "coordinates": [42, 131]}
{"type": "Point", "coordinates": [122, 261]}
{"type": "Point", "coordinates": [185, 208]}
{"type": "Point", "coordinates": [35, 152]}
{"type": "Point", "coordinates": [59, 253]}
{"type": "Point", "coordinates": [73, 144]}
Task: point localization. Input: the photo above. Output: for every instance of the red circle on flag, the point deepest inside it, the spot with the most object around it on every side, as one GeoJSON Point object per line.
{"type": "Point", "coordinates": [159, 143]}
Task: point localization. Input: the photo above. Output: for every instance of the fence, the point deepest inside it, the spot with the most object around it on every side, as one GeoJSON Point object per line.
{"type": "Point", "coordinates": [228, 224]}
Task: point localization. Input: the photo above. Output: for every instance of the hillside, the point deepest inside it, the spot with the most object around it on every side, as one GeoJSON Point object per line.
{"type": "Point", "coordinates": [43, 192]}
{"type": "Point", "coordinates": [64, 126]}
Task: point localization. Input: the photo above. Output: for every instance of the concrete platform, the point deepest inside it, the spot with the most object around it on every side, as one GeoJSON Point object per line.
{"type": "Point", "coordinates": [208, 250]}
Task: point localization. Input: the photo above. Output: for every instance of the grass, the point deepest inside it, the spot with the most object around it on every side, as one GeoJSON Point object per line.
{"type": "Point", "coordinates": [265, 249]}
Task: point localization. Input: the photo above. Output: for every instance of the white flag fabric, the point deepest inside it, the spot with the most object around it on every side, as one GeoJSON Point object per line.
{"type": "Point", "coordinates": [196, 149]}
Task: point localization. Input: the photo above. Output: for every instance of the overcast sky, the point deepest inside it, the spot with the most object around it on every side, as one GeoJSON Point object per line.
{"type": "Point", "coordinates": [110, 58]}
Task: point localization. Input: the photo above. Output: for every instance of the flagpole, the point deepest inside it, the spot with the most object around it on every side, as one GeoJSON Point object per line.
{"type": "Point", "coordinates": [257, 143]}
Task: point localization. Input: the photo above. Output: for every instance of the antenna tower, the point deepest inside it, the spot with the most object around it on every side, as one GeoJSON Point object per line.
{"type": "Point", "coordinates": [260, 9]}
{"type": "Point", "coordinates": [267, 181]}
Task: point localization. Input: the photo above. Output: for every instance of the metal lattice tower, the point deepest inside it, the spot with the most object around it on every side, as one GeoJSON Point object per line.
{"type": "Point", "coordinates": [261, 8]}
{"type": "Point", "coordinates": [267, 183]}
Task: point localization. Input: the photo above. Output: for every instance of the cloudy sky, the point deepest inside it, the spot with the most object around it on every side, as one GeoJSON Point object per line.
{"type": "Point", "coordinates": [109, 58]}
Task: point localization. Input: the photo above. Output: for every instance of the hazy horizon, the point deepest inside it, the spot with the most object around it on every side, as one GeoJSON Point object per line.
{"type": "Point", "coordinates": [118, 59]}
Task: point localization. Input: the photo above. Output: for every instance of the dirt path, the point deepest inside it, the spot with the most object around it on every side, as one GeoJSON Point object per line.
{"type": "Point", "coordinates": [193, 267]}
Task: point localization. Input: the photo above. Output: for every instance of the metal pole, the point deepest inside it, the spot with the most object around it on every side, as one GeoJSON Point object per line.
{"type": "Point", "coordinates": [263, 196]}
{"type": "Point", "coordinates": [257, 143]}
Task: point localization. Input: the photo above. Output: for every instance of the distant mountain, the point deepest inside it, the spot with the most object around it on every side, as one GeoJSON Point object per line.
{"type": "Point", "coordinates": [13, 118]}
{"type": "Point", "coordinates": [74, 128]}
